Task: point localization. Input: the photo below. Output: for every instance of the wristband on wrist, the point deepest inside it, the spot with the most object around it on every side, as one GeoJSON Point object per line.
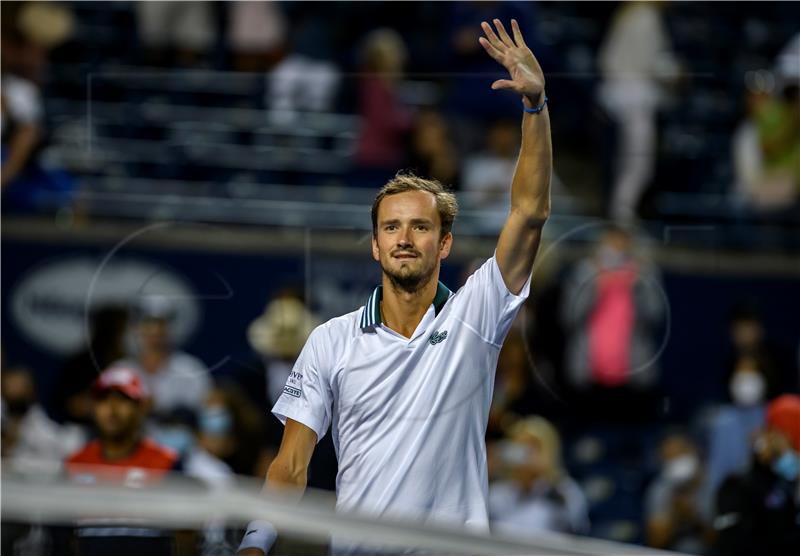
{"type": "Point", "coordinates": [260, 535]}
{"type": "Point", "coordinates": [535, 109]}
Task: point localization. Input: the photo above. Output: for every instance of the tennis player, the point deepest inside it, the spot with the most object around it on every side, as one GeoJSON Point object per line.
{"type": "Point", "coordinates": [405, 382]}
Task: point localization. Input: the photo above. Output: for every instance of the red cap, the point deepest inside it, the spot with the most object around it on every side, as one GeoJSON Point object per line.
{"type": "Point", "coordinates": [121, 379]}
{"type": "Point", "coordinates": [783, 414]}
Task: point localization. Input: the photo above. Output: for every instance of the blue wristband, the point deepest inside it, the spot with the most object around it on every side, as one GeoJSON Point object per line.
{"type": "Point", "coordinates": [535, 109]}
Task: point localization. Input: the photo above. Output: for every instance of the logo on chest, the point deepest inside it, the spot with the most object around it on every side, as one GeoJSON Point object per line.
{"type": "Point", "coordinates": [437, 337]}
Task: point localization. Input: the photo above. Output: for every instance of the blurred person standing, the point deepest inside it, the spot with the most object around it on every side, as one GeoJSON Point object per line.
{"type": "Point", "coordinates": [173, 377]}
{"type": "Point", "coordinates": [635, 61]}
{"type": "Point", "coordinates": [173, 32]}
{"type": "Point", "coordinates": [766, 145]}
{"type": "Point", "coordinates": [433, 152]}
{"type": "Point", "coordinates": [486, 173]}
{"type": "Point", "coordinates": [673, 515]}
{"type": "Point", "coordinates": [758, 512]}
{"type": "Point", "coordinates": [537, 494]}
{"type": "Point", "coordinates": [71, 399]}
{"type": "Point", "coordinates": [386, 120]}
{"type": "Point", "coordinates": [611, 305]}
{"type": "Point", "coordinates": [30, 438]}
{"type": "Point", "coordinates": [256, 34]}
{"type": "Point", "coordinates": [30, 31]}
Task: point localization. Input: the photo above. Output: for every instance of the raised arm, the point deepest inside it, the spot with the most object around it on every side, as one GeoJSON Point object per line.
{"type": "Point", "coordinates": [530, 187]}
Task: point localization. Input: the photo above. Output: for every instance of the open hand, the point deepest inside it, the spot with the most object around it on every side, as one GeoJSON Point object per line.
{"type": "Point", "coordinates": [526, 75]}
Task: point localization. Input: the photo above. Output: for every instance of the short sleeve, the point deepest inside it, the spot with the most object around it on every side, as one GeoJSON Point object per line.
{"type": "Point", "coordinates": [307, 397]}
{"type": "Point", "coordinates": [489, 306]}
{"type": "Point", "coordinates": [22, 100]}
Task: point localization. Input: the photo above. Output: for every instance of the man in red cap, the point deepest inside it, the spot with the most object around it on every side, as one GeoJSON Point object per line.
{"type": "Point", "coordinates": [120, 453]}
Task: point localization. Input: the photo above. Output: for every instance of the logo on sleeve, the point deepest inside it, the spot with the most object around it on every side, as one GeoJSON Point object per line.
{"type": "Point", "coordinates": [294, 384]}
{"type": "Point", "coordinates": [437, 337]}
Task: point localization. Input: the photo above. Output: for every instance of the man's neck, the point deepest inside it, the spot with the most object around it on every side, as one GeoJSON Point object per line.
{"type": "Point", "coordinates": [402, 311]}
{"type": "Point", "coordinates": [119, 449]}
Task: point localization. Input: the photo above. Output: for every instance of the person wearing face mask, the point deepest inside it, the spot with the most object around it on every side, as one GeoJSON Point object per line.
{"type": "Point", "coordinates": [29, 436]}
{"type": "Point", "coordinates": [758, 512]}
{"type": "Point", "coordinates": [672, 501]}
{"type": "Point", "coordinates": [732, 426]}
{"type": "Point", "coordinates": [536, 494]}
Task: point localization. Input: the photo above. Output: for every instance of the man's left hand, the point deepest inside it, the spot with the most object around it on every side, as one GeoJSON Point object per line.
{"type": "Point", "coordinates": [526, 75]}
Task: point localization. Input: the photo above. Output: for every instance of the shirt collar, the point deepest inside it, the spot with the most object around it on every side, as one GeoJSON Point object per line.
{"type": "Point", "coordinates": [371, 314]}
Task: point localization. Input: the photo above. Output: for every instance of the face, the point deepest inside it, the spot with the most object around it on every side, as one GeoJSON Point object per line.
{"type": "Point", "coordinates": [154, 334]}
{"type": "Point", "coordinates": [117, 417]}
{"type": "Point", "coordinates": [408, 243]}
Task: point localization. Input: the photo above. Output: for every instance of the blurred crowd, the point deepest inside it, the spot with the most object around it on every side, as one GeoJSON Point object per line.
{"type": "Point", "coordinates": [643, 110]}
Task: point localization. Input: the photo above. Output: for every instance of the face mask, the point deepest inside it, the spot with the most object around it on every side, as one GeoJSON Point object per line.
{"type": "Point", "coordinates": [515, 454]}
{"type": "Point", "coordinates": [747, 388]}
{"type": "Point", "coordinates": [177, 438]}
{"type": "Point", "coordinates": [787, 466]}
{"type": "Point", "coordinates": [611, 257]}
{"type": "Point", "coordinates": [17, 408]}
{"type": "Point", "coordinates": [681, 469]}
{"type": "Point", "coordinates": [216, 421]}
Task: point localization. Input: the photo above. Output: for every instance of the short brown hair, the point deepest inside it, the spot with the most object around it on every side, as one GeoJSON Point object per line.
{"type": "Point", "coordinates": [406, 181]}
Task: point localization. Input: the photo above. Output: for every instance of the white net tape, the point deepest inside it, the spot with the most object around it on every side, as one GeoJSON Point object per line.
{"type": "Point", "coordinates": [175, 504]}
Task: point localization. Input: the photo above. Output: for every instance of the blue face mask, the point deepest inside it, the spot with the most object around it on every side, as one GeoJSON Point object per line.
{"type": "Point", "coordinates": [216, 421]}
{"type": "Point", "coordinates": [177, 438]}
{"type": "Point", "coordinates": [787, 466]}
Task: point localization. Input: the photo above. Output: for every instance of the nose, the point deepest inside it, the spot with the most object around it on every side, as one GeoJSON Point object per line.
{"type": "Point", "coordinates": [403, 239]}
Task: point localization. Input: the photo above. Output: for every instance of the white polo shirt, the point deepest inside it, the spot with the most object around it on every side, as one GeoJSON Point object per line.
{"type": "Point", "coordinates": [408, 416]}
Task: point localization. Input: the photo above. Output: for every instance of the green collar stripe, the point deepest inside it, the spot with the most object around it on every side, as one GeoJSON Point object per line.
{"type": "Point", "coordinates": [371, 314]}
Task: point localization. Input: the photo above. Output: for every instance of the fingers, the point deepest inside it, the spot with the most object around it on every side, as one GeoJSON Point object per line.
{"type": "Point", "coordinates": [493, 52]}
{"type": "Point", "coordinates": [517, 33]}
{"type": "Point", "coordinates": [493, 40]}
{"type": "Point", "coordinates": [504, 84]}
{"type": "Point", "coordinates": [503, 35]}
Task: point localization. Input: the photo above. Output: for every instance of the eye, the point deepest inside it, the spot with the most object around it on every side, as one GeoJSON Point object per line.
{"type": "Point", "coordinates": [390, 227]}
{"type": "Point", "coordinates": [421, 227]}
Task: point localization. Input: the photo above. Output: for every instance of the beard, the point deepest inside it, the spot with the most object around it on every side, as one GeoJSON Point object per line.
{"type": "Point", "coordinates": [407, 279]}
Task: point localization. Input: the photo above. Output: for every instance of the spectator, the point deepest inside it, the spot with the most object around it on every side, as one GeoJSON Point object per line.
{"type": "Point", "coordinates": [127, 455]}
{"type": "Point", "coordinates": [733, 426]}
{"type": "Point", "coordinates": [256, 34]}
{"type": "Point", "coordinates": [635, 61]}
{"type": "Point", "coordinates": [433, 153]}
{"type": "Point", "coordinates": [672, 502]}
{"type": "Point", "coordinates": [180, 432]}
{"type": "Point", "coordinates": [537, 495]}
{"type": "Point", "coordinates": [122, 455]}
{"type": "Point", "coordinates": [30, 438]}
{"type": "Point", "coordinates": [71, 400]}
{"type": "Point", "coordinates": [766, 145]}
{"type": "Point", "coordinates": [612, 303]}
{"type": "Point", "coordinates": [232, 430]}
{"type": "Point", "coordinates": [27, 184]}
{"type": "Point", "coordinates": [757, 512]}
{"type": "Point", "coordinates": [750, 348]}
{"type": "Point", "coordinates": [386, 121]}
{"type": "Point", "coordinates": [174, 378]}
{"type": "Point", "coordinates": [513, 391]}
{"type": "Point", "coordinates": [176, 32]}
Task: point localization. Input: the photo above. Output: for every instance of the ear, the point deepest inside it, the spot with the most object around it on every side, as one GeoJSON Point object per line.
{"type": "Point", "coordinates": [444, 246]}
{"type": "Point", "coordinates": [376, 254]}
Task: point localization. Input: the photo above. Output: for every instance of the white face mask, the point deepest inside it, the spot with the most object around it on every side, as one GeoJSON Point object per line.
{"type": "Point", "coordinates": [681, 469]}
{"type": "Point", "coordinates": [747, 388]}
